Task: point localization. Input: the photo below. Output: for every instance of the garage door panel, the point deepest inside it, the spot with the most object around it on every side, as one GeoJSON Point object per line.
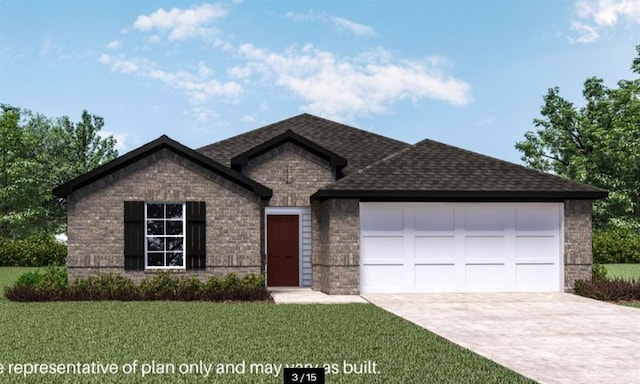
{"type": "Point", "coordinates": [435, 247]}
{"type": "Point", "coordinates": [382, 278]}
{"type": "Point", "coordinates": [485, 277]}
{"type": "Point", "coordinates": [435, 219]}
{"type": "Point", "coordinates": [388, 219]}
{"type": "Point", "coordinates": [484, 247]}
{"type": "Point", "coordinates": [537, 219]}
{"type": "Point", "coordinates": [435, 278]}
{"type": "Point", "coordinates": [536, 277]}
{"type": "Point", "coordinates": [383, 247]}
{"type": "Point", "coordinates": [461, 247]}
{"type": "Point", "coordinates": [532, 247]}
{"type": "Point", "coordinates": [484, 219]}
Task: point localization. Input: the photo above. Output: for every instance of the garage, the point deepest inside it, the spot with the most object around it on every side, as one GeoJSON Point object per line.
{"type": "Point", "coordinates": [461, 247]}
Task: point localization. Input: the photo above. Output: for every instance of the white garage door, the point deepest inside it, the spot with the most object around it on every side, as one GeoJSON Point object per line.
{"type": "Point", "coordinates": [460, 247]}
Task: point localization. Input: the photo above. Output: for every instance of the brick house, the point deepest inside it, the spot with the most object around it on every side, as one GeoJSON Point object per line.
{"type": "Point", "coordinates": [312, 202]}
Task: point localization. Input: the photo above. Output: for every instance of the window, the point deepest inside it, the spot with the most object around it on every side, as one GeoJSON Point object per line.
{"type": "Point", "coordinates": [164, 235]}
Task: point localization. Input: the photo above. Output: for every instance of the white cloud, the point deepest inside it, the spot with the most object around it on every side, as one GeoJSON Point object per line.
{"type": "Point", "coordinates": [198, 86]}
{"type": "Point", "coordinates": [248, 119]}
{"type": "Point", "coordinates": [593, 15]}
{"type": "Point", "coordinates": [199, 89]}
{"type": "Point", "coordinates": [340, 22]}
{"type": "Point", "coordinates": [203, 114]}
{"type": "Point", "coordinates": [121, 139]}
{"type": "Point", "coordinates": [585, 33]}
{"type": "Point", "coordinates": [607, 12]}
{"type": "Point", "coordinates": [358, 29]}
{"type": "Point", "coordinates": [181, 24]}
{"type": "Point", "coordinates": [119, 64]}
{"type": "Point", "coordinates": [345, 87]}
{"type": "Point", "coordinates": [115, 44]}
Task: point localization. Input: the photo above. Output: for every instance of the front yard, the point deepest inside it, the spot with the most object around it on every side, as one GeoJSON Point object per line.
{"type": "Point", "coordinates": [359, 343]}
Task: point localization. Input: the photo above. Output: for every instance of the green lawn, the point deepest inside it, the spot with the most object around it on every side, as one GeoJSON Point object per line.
{"type": "Point", "coordinates": [626, 271]}
{"type": "Point", "coordinates": [174, 333]}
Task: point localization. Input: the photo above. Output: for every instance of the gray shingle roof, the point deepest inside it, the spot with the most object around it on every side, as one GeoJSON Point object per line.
{"type": "Point", "coordinates": [430, 169]}
{"type": "Point", "coordinates": [359, 147]}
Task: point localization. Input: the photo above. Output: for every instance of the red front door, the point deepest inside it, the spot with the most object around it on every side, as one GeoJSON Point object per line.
{"type": "Point", "coordinates": [282, 250]}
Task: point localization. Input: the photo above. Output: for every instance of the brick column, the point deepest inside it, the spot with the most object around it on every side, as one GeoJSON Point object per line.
{"type": "Point", "coordinates": [336, 246]}
{"type": "Point", "coordinates": [577, 242]}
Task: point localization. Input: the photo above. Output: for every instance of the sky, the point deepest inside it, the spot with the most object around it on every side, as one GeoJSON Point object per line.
{"type": "Point", "coordinates": [467, 73]}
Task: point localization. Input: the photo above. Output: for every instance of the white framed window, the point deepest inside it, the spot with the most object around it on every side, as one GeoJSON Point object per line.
{"type": "Point", "coordinates": [165, 228]}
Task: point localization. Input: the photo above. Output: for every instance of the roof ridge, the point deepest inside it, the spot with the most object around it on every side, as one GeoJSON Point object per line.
{"type": "Point", "coordinates": [362, 170]}
{"type": "Point", "coordinates": [302, 115]}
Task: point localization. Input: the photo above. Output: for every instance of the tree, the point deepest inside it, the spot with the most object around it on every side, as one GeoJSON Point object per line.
{"type": "Point", "coordinates": [36, 154]}
{"type": "Point", "coordinates": [597, 144]}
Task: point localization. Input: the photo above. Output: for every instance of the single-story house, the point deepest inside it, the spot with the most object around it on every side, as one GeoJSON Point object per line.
{"type": "Point", "coordinates": [314, 203]}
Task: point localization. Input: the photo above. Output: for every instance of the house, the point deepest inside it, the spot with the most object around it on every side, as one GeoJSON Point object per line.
{"type": "Point", "coordinates": [312, 202]}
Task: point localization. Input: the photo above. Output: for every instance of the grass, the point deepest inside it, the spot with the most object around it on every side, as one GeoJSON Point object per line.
{"type": "Point", "coordinates": [625, 271]}
{"type": "Point", "coordinates": [236, 334]}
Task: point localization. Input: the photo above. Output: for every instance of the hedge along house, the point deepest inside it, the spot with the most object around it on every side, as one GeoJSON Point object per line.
{"type": "Point", "coordinates": [316, 203]}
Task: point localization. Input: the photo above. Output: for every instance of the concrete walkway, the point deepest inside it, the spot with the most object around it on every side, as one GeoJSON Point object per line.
{"type": "Point", "coordinates": [549, 337]}
{"type": "Point", "coordinates": [298, 295]}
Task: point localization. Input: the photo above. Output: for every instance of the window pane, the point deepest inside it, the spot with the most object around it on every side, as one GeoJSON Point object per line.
{"type": "Point", "coordinates": [155, 211]}
{"type": "Point", "coordinates": [155, 244]}
{"type": "Point", "coordinates": [174, 227]}
{"type": "Point", "coordinates": [174, 211]}
{"type": "Point", "coordinates": [155, 227]}
{"type": "Point", "coordinates": [174, 243]}
{"type": "Point", "coordinates": [174, 259]}
{"type": "Point", "coordinates": [155, 259]}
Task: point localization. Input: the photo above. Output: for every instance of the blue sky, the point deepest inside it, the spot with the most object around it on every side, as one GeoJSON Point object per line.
{"type": "Point", "coordinates": [467, 73]}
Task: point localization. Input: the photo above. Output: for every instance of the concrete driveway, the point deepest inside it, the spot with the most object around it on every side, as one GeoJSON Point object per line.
{"type": "Point", "coordinates": [548, 337]}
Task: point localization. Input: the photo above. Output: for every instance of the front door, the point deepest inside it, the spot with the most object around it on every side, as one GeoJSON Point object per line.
{"type": "Point", "coordinates": [283, 259]}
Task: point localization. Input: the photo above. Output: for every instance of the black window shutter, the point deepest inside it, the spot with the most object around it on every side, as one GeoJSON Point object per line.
{"type": "Point", "coordinates": [134, 235]}
{"type": "Point", "coordinates": [196, 235]}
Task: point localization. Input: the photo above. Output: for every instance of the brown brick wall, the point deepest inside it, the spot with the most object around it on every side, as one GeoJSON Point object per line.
{"type": "Point", "coordinates": [577, 242]}
{"type": "Point", "coordinates": [95, 215]}
{"type": "Point", "coordinates": [336, 246]}
{"type": "Point", "coordinates": [292, 173]}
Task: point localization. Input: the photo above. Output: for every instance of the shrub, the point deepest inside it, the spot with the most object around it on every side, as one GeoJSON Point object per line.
{"type": "Point", "coordinates": [598, 272]}
{"type": "Point", "coordinates": [51, 285]}
{"type": "Point", "coordinates": [616, 245]}
{"type": "Point", "coordinates": [189, 289]}
{"type": "Point", "coordinates": [109, 286]}
{"type": "Point", "coordinates": [29, 279]}
{"type": "Point", "coordinates": [163, 286]}
{"type": "Point", "coordinates": [609, 290]}
{"type": "Point", "coordinates": [34, 251]}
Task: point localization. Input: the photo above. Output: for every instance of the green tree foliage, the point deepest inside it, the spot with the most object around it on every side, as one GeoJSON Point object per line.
{"type": "Point", "coordinates": [38, 153]}
{"type": "Point", "coordinates": [597, 144]}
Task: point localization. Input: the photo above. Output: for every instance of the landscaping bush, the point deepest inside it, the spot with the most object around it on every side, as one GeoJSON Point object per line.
{"type": "Point", "coordinates": [609, 290]}
{"type": "Point", "coordinates": [34, 251]}
{"type": "Point", "coordinates": [51, 285]}
{"type": "Point", "coordinates": [109, 286]}
{"type": "Point", "coordinates": [47, 285]}
{"type": "Point", "coordinates": [616, 246]}
{"type": "Point", "coordinates": [598, 272]}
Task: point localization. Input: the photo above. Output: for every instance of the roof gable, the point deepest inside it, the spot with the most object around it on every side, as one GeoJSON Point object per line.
{"type": "Point", "coordinates": [432, 171]}
{"type": "Point", "coordinates": [360, 148]}
{"type": "Point", "coordinates": [163, 142]}
{"type": "Point", "coordinates": [336, 161]}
